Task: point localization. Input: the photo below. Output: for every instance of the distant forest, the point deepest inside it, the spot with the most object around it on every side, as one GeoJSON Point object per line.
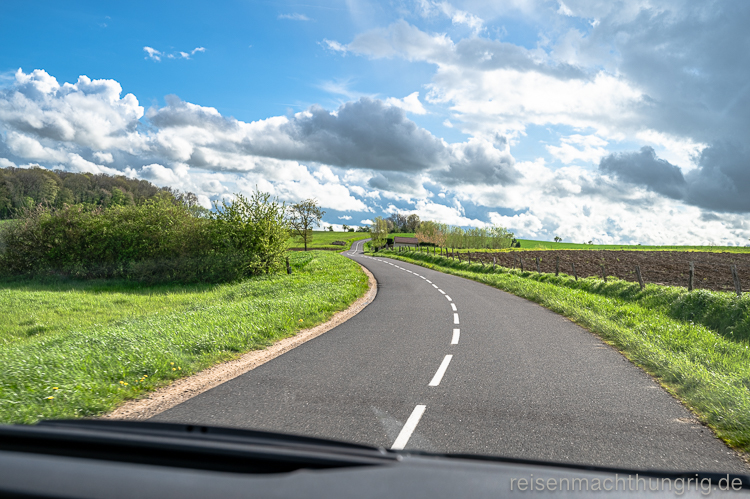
{"type": "Point", "coordinates": [22, 188]}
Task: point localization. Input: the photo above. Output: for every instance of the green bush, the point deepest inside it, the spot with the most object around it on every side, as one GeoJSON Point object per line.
{"type": "Point", "coordinates": [160, 240]}
{"type": "Point", "coordinates": [254, 227]}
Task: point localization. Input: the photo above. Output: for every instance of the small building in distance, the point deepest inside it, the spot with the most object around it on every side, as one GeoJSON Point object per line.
{"type": "Point", "coordinates": [405, 241]}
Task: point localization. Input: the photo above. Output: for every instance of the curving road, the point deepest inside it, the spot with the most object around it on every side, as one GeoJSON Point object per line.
{"type": "Point", "coordinates": [444, 364]}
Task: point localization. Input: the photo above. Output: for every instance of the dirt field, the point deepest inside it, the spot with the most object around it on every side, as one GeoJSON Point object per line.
{"type": "Point", "coordinates": [712, 270]}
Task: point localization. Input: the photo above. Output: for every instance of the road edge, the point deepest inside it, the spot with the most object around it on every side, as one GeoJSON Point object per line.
{"type": "Point", "coordinates": [186, 388]}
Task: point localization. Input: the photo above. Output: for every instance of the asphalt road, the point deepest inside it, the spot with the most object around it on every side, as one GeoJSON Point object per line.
{"type": "Point", "coordinates": [444, 364]}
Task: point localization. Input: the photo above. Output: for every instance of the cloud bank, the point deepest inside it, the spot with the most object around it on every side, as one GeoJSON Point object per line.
{"type": "Point", "coordinates": [644, 107]}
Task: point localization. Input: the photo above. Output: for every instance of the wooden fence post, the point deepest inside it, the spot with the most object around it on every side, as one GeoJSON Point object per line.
{"type": "Point", "coordinates": [537, 266]}
{"type": "Point", "coordinates": [494, 263]}
{"type": "Point", "coordinates": [557, 265]}
{"type": "Point", "coordinates": [736, 278]}
{"type": "Point", "coordinates": [691, 275]}
{"type": "Point", "coordinates": [604, 273]}
{"type": "Point", "coordinates": [521, 259]}
{"type": "Point", "coordinates": [288, 267]}
{"type": "Point", "coordinates": [640, 278]}
{"type": "Point", "coordinates": [574, 270]}
{"type": "Point", "coordinates": [469, 255]}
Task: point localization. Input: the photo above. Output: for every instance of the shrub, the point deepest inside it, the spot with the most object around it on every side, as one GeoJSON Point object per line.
{"type": "Point", "coordinates": [160, 240]}
{"type": "Point", "coordinates": [254, 227]}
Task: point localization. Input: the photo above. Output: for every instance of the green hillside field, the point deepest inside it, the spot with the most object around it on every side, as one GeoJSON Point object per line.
{"type": "Point", "coordinates": [322, 239]}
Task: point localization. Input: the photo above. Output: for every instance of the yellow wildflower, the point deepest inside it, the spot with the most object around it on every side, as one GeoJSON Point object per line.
{"type": "Point", "coordinates": [50, 398]}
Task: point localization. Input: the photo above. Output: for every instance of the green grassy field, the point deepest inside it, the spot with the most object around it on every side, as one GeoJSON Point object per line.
{"type": "Point", "coordinates": [322, 239]}
{"type": "Point", "coordinates": [73, 349]}
{"type": "Point", "coordinates": [697, 345]}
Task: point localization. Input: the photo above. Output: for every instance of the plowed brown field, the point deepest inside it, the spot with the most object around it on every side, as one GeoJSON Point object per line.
{"type": "Point", "coordinates": [712, 270]}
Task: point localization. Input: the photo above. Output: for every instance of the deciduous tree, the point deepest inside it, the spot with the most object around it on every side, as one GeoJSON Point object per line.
{"type": "Point", "coordinates": [379, 231]}
{"type": "Point", "coordinates": [302, 217]}
{"type": "Point", "coordinates": [412, 222]}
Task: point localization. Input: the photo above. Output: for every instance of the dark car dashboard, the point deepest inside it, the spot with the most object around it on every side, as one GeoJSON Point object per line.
{"type": "Point", "coordinates": [111, 459]}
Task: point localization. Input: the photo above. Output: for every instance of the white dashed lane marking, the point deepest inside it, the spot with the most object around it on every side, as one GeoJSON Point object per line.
{"type": "Point", "coordinates": [409, 427]}
{"type": "Point", "coordinates": [456, 334]}
{"type": "Point", "coordinates": [416, 415]}
{"type": "Point", "coordinates": [441, 371]}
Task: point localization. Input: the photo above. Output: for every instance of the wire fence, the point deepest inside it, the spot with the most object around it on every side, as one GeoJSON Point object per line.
{"type": "Point", "coordinates": [693, 270]}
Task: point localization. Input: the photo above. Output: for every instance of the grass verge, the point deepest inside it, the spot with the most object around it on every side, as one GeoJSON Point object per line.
{"type": "Point", "coordinates": [111, 341]}
{"type": "Point", "coordinates": [695, 344]}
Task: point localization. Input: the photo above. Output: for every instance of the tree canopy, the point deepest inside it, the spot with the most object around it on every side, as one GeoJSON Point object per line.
{"type": "Point", "coordinates": [302, 217]}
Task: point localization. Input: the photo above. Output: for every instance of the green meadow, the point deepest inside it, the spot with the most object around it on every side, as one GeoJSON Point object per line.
{"type": "Point", "coordinates": [80, 348]}
{"type": "Point", "coordinates": [322, 239]}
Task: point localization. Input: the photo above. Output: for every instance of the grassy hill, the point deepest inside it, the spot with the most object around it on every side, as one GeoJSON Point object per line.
{"type": "Point", "coordinates": [322, 239]}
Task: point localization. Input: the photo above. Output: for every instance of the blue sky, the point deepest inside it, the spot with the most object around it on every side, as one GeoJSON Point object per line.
{"type": "Point", "coordinates": [586, 119]}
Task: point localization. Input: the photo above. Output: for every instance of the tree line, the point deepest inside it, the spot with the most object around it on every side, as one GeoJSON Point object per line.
{"type": "Point", "coordinates": [26, 188]}
{"type": "Point", "coordinates": [399, 222]}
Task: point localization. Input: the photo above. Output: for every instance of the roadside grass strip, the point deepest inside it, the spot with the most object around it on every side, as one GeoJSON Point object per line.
{"type": "Point", "coordinates": [696, 344]}
{"type": "Point", "coordinates": [103, 343]}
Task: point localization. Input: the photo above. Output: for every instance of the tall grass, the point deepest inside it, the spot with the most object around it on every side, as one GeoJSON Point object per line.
{"type": "Point", "coordinates": [86, 362]}
{"type": "Point", "coordinates": [696, 344]}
